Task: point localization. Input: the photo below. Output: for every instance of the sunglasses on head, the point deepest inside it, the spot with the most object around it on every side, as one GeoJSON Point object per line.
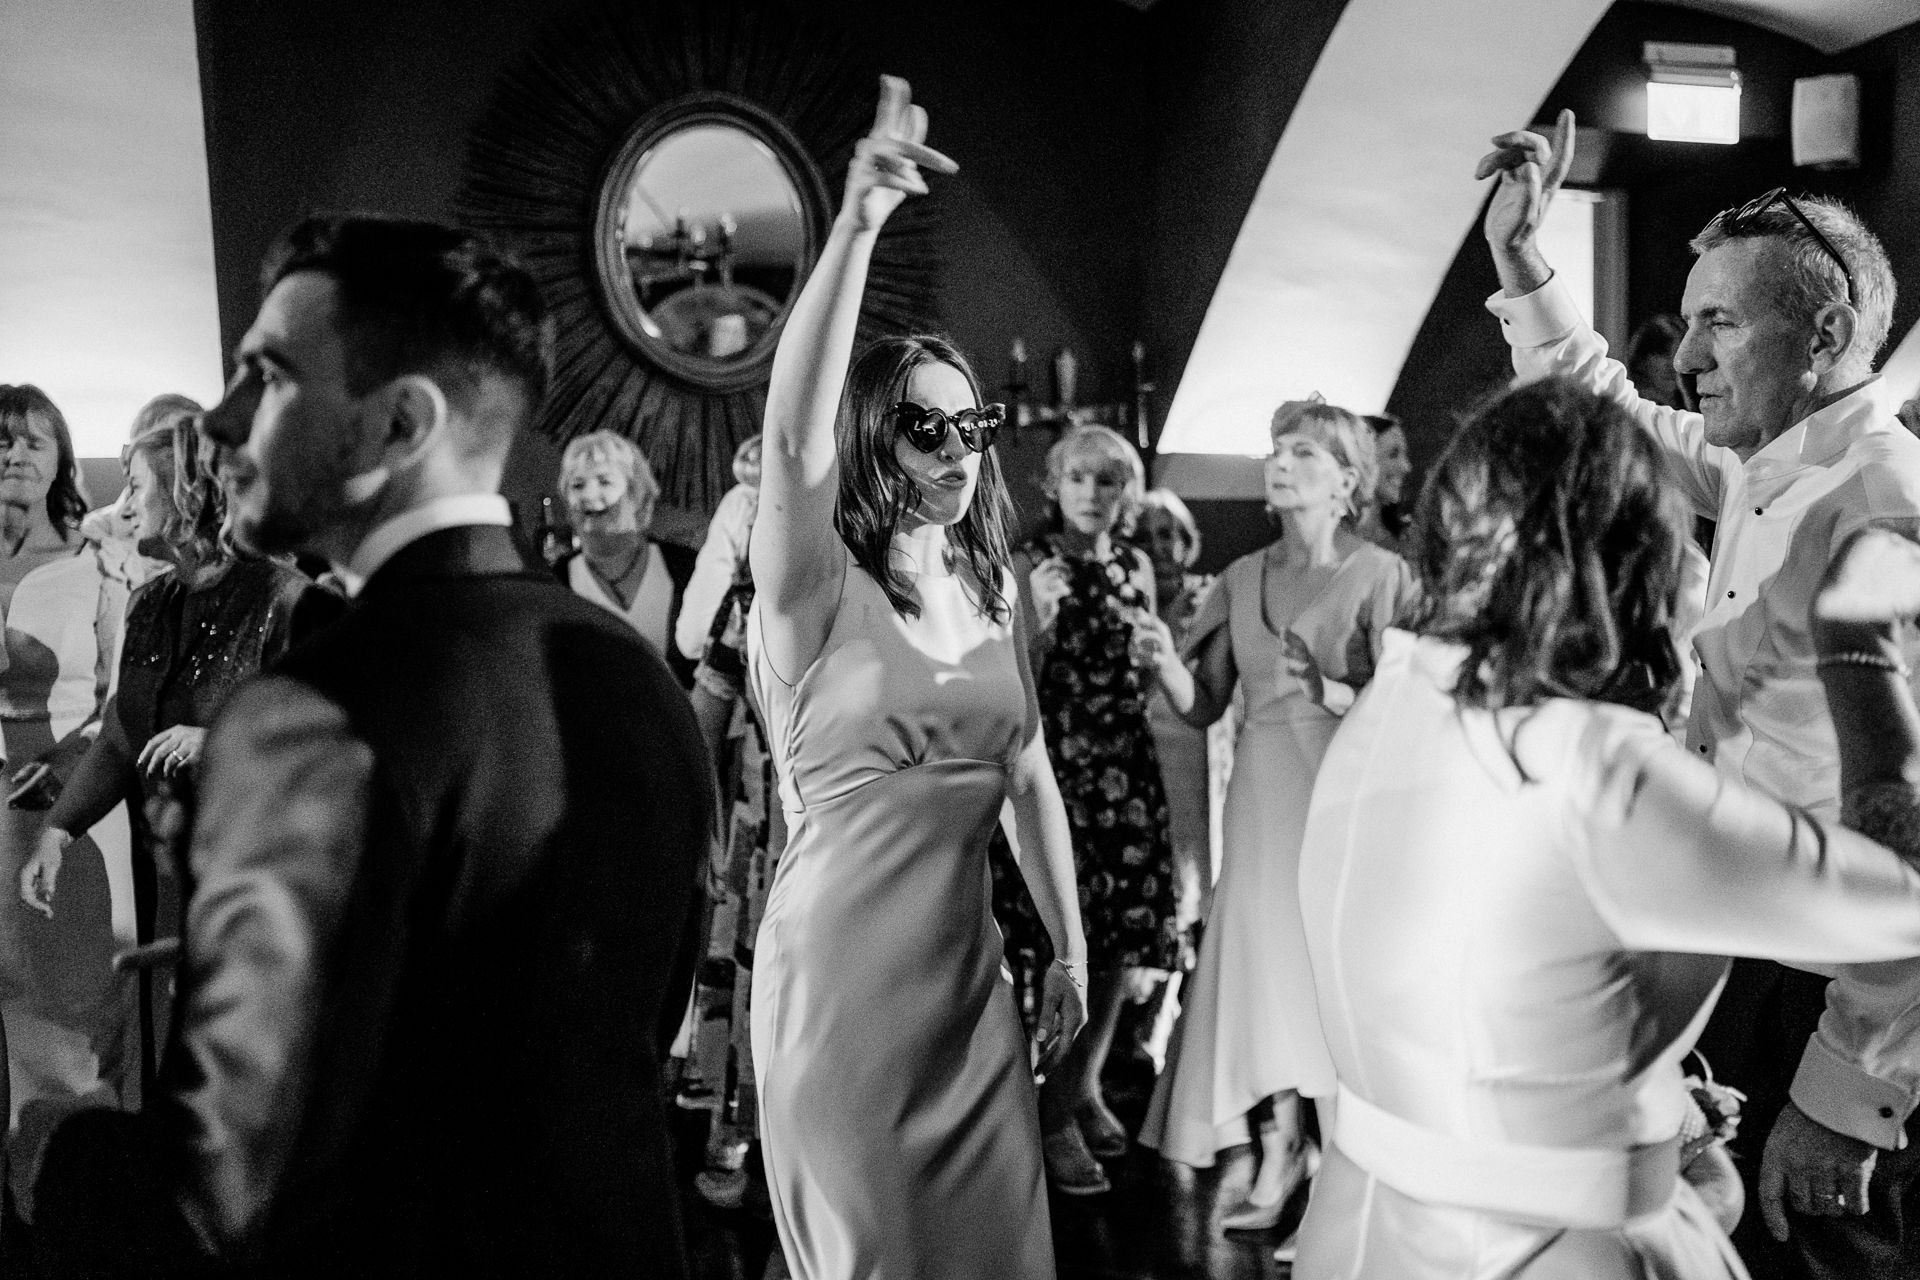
{"type": "Point", "coordinates": [926, 429]}
{"type": "Point", "coordinates": [1740, 219]}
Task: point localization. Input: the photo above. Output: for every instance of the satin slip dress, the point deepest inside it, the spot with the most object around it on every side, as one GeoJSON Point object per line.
{"type": "Point", "coordinates": [898, 1114]}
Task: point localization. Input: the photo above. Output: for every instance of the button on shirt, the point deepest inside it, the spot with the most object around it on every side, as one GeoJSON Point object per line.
{"type": "Point", "coordinates": [1759, 711]}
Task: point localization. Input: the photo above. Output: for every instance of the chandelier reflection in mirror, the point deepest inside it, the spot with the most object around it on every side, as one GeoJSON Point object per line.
{"type": "Point", "coordinates": [708, 220]}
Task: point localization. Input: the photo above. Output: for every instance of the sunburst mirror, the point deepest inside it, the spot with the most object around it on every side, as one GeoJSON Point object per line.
{"type": "Point", "coordinates": [665, 168]}
{"type": "Point", "coordinates": [708, 220]}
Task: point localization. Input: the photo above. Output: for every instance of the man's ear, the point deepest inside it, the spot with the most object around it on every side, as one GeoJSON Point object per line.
{"type": "Point", "coordinates": [1834, 327]}
{"type": "Point", "coordinates": [417, 409]}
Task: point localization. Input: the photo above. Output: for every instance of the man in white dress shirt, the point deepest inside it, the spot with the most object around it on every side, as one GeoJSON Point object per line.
{"type": "Point", "coordinates": [1794, 448]}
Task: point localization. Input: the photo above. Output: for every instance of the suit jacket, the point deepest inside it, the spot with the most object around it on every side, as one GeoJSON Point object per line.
{"type": "Point", "coordinates": [446, 860]}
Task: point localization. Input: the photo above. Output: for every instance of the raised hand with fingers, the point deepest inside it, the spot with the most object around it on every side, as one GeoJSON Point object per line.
{"type": "Point", "coordinates": [887, 162]}
{"type": "Point", "coordinates": [1530, 169]}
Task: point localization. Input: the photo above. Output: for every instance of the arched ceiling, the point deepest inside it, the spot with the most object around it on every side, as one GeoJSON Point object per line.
{"type": "Point", "coordinates": [1369, 194]}
{"type": "Point", "coordinates": [1827, 25]}
{"type": "Point", "coordinates": [1363, 207]}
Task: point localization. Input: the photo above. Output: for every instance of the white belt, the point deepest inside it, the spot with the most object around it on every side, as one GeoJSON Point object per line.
{"type": "Point", "coordinates": [1581, 1187]}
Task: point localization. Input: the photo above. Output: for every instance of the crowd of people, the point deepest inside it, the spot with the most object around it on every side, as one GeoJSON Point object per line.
{"type": "Point", "coordinates": [377, 893]}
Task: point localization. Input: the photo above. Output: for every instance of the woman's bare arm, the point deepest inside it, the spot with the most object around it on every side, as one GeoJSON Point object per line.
{"type": "Point", "coordinates": [798, 559]}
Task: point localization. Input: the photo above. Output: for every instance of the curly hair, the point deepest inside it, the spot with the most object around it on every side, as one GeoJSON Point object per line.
{"type": "Point", "coordinates": [163, 434]}
{"type": "Point", "coordinates": [876, 493]}
{"type": "Point", "coordinates": [1550, 547]}
{"type": "Point", "coordinates": [67, 496]}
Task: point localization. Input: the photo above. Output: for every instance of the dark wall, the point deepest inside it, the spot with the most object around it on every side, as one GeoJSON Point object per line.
{"type": "Point", "coordinates": [1225, 75]}
{"type": "Point", "coordinates": [1674, 188]}
{"type": "Point", "coordinates": [1886, 188]}
{"type": "Point", "coordinates": [344, 104]}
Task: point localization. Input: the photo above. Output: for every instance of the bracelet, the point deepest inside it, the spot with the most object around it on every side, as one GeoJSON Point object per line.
{"type": "Point", "coordinates": [1861, 658]}
{"type": "Point", "coordinates": [1076, 973]}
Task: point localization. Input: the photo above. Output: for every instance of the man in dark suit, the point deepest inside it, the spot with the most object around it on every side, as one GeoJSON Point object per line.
{"type": "Point", "coordinates": [445, 855]}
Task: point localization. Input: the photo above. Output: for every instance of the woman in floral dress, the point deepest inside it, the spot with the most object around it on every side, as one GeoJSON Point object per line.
{"type": "Point", "coordinates": [1089, 596]}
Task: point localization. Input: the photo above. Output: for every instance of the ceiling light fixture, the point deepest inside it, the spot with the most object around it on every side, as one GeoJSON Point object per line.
{"type": "Point", "coordinates": [1693, 93]}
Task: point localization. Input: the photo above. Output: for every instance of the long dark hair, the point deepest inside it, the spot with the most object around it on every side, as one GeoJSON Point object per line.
{"type": "Point", "coordinates": [876, 493]}
{"type": "Point", "coordinates": [1550, 545]}
{"type": "Point", "coordinates": [66, 501]}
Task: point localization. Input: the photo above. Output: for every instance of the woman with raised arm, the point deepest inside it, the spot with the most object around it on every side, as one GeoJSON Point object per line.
{"type": "Point", "coordinates": [897, 1103]}
{"type": "Point", "coordinates": [1519, 890]}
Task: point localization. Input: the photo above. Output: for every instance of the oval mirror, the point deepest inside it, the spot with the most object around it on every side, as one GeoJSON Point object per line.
{"type": "Point", "coordinates": [709, 219]}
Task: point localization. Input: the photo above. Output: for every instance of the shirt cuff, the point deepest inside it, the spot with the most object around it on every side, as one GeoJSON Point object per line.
{"type": "Point", "coordinates": [1535, 319]}
{"type": "Point", "coordinates": [1842, 1097]}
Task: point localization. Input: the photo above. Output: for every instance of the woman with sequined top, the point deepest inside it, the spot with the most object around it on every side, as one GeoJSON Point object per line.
{"type": "Point", "coordinates": [192, 634]}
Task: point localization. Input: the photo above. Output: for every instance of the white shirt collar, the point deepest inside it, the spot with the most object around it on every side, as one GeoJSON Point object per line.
{"type": "Point", "coordinates": [408, 527]}
{"type": "Point", "coordinates": [1828, 431]}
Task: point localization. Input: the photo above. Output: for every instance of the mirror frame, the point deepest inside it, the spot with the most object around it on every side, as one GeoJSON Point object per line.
{"type": "Point", "coordinates": [537, 158]}
{"type": "Point", "coordinates": [614, 283]}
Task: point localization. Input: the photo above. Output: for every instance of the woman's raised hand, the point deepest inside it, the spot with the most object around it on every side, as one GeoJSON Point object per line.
{"type": "Point", "coordinates": [887, 162]}
{"type": "Point", "coordinates": [1050, 582]}
{"type": "Point", "coordinates": [1151, 643]}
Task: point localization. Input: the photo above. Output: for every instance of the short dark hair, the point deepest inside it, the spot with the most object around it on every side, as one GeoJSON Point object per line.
{"type": "Point", "coordinates": [876, 493]}
{"type": "Point", "coordinates": [423, 297]}
{"type": "Point", "coordinates": [66, 498]}
{"type": "Point", "coordinates": [1550, 545]}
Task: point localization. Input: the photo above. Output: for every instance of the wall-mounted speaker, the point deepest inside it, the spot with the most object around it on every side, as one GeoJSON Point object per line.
{"type": "Point", "coordinates": [1826, 122]}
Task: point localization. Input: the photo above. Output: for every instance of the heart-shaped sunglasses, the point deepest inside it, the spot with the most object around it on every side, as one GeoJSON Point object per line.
{"type": "Point", "coordinates": [926, 429]}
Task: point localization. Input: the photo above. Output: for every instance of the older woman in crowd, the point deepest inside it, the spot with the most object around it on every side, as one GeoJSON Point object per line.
{"type": "Point", "coordinates": [1298, 627]}
{"type": "Point", "coordinates": [193, 632]}
{"type": "Point", "coordinates": [610, 491]}
{"type": "Point", "coordinates": [1166, 531]}
{"type": "Point", "coordinates": [1519, 890]}
{"type": "Point", "coordinates": [65, 1012]}
{"type": "Point", "coordinates": [1088, 595]}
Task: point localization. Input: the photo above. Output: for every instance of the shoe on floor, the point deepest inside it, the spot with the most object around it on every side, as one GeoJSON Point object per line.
{"type": "Point", "coordinates": [1106, 1136]}
{"type": "Point", "coordinates": [1249, 1216]}
{"type": "Point", "coordinates": [721, 1188]}
{"type": "Point", "coordinates": [1071, 1166]}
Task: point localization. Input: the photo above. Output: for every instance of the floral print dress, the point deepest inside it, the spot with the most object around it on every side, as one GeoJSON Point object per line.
{"type": "Point", "coordinates": [1093, 705]}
